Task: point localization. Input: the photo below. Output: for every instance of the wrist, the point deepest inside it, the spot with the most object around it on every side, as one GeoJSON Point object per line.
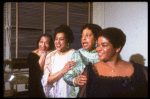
{"type": "Point", "coordinates": [75, 81]}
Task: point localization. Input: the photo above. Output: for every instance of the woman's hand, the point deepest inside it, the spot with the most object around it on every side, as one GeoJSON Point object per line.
{"type": "Point", "coordinates": [42, 53]}
{"type": "Point", "coordinates": [67, 66]}
{"type": "Point", "coordinates": [80, 80]}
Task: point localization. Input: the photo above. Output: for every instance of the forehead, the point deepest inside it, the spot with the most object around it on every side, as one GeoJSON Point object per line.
{"type": "Point", "coordinates": [44, 38]}
{"type": "Point", "coordinates": [86, 30]}
{"type": "Point", "coordinates": [102, 39]}
{"type": "Point", "coordinates": [61, 34]}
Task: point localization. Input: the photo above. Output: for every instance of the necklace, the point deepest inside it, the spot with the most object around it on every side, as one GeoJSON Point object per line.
{"type": "Point", "coordinates": [113, 69]}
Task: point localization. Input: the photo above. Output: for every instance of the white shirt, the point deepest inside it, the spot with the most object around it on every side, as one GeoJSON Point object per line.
{"type": "Point", "coordinates": [54, 63]}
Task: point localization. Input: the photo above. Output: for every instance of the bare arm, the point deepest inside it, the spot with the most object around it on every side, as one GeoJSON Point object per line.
{"type": "Point", "coordinates": [54, 77]}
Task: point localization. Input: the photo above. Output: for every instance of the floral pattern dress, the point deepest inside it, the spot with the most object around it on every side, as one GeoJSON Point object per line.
{"type": "Point", "coordinates": [82, 57]}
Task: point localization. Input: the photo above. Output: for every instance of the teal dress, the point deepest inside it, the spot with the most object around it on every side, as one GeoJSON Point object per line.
{"type": "Point", "coordinates": [82, 57]}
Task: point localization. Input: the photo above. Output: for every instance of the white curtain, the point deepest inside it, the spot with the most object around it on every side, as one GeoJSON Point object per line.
{"type": "Point", "coordinates": [7, 33]}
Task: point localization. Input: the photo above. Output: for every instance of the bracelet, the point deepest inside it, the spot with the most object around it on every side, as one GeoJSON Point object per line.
{"type": "Point", "coordinates": [61, 72]}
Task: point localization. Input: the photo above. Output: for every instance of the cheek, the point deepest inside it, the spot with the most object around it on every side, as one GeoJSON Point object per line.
{"type": "Point", "coordinates": [109, 52]}
{"type": "Point", "coordinates": [47, 45]}
{"type": "Point", "coordinates": [92, 41]}
{"type": "Point", "coordinates": [40, 44]}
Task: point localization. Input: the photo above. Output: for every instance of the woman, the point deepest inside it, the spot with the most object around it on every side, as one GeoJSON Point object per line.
{"type": "Point", "coordinates": [57, 64]}
{"type": "Point", "coordinates": [36, 60]}
{"type": "Point", "coordinates": [112, 77]}
{"type": "Point", "coordinates": [82, 57]}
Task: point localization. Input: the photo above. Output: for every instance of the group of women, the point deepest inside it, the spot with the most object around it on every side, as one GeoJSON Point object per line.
{"type": "Point", "coordinates": [95, 70]}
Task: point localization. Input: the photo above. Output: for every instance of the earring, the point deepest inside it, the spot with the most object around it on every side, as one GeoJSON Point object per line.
{"type": "Point", "coordinates": [68, 45]}
{"type": "Point", "coordinates": [96, 44]}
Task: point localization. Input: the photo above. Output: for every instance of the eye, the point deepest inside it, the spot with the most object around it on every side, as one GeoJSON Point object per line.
{"type": "Point", "coordinates": [47, 42]}
{"type": "Point", "coordinates": [41, 41]}
{"type": "Point", "coordinates": [88, 34]}
{"type": "Point", "coordinates": [62, 39]}
{"type": "Point", "coordinates": [104, 45]}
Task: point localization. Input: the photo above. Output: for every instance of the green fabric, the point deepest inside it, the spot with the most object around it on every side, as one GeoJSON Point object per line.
{"type": "Point", "coordinates": [82, 57]}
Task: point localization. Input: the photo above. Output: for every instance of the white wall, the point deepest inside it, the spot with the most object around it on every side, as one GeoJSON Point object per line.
{"type": "Point", "coordinates": [132, 19]}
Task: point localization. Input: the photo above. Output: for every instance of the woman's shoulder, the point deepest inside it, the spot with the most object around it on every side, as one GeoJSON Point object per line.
{"type": "Point", "coordinates": [35, 51]}
{"type": "Point", "coordinates": [51, 53]}
{"type": "Point", "coordinates": [127, 68]}
{"type": "Point", "coordinates": [127, 65]}
{"type": "Point", "coordinates": [72, 50]}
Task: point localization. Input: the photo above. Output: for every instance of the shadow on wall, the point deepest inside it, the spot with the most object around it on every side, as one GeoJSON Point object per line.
{"type": "Point", "coordinates": [137, 58]}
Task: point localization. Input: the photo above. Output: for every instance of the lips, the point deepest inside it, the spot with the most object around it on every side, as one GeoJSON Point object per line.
{"type": "Point", "coordinates": [85, 44]}
{"type": "Point", "coordinates": [58, 45]}
{"type": "Point", "coordinates": [100, 54]}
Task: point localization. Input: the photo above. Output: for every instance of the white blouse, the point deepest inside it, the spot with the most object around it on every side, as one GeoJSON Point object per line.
{"type": "Point", "coordinates": [54, 63]}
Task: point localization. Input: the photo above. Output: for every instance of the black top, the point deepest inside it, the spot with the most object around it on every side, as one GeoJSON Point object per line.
{"type": "Point", "coordinates": [35, 75]}
{"type": "Point", "coordinates": [108, 87]}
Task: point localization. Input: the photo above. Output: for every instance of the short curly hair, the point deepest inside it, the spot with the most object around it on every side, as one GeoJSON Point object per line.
{"type": "Point", "coordinates": [67, 31]}
{"type": "Point", "coordinates": [115, 36]}
{"type": "Point", "coordinates": [93, 27]}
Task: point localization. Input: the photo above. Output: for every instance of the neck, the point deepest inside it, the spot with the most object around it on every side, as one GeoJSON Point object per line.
{"type": "Point", "coordinates": [92, 50]}
{"type": "Point", "coordinates": [114, 62]}
{"type": "Point", "coordinates": [63, 52]}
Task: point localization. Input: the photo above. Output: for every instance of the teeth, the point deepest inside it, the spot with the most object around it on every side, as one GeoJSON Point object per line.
{"type": "Point", "coordinates": [85, 43]}
{"type": "Point", "coordinates": [100, 54]}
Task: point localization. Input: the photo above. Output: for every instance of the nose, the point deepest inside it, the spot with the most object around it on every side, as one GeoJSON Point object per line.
{"type": "Point", "coordinates": [43, 44]}
{"type": "Point", "coordinates": [83, 37]}
{"type": "Point", "coordinates": [98, 48]}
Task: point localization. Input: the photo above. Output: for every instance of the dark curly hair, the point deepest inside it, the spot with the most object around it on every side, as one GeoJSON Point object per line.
{"type": "Point", "coordinates": [93, 27]}
{"type": "Point", "coordinates": [67, 31]}
{"type": "Point", "coordinates": [116, 36]}
{"type": "Point", "coordinates": [51, 41]}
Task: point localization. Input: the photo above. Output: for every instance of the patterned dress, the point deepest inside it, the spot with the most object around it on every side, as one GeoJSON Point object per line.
{"type": "Point", "coordinates": [54, 63]}
{"type": "Point", "coordinates": [82, 57]}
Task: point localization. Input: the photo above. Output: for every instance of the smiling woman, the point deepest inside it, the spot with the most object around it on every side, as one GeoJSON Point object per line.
{"type": "Point", "coordinates": [113, 77]}
{"type": "Point", "coordinates": [36, 60]}
{"type": "Point", "coordinates": [58, 63]}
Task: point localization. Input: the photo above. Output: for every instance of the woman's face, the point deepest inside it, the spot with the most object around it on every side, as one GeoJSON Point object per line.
{"type": "Point", "coordinates": [60, 42]}
{"type": "Point", "coordinates": [105, 49]}
{"type": "Point", "coordinates": [44, 44]}
{"type": "Point", "coordinates": [88, 40]}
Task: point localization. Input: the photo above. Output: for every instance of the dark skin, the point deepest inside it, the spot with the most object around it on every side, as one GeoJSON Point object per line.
{"type": "Point", "coordinates": [111, 64]}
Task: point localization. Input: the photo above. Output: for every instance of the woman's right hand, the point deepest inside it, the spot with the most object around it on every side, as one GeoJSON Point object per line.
{"type": "Point", "coordinates": [80, 80]}
{"type": "Point", "coordinates": [67, 66]}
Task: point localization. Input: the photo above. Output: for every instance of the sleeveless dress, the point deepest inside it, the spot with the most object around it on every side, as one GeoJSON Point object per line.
{"type": "Point", "coordinates": [112, 87]}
